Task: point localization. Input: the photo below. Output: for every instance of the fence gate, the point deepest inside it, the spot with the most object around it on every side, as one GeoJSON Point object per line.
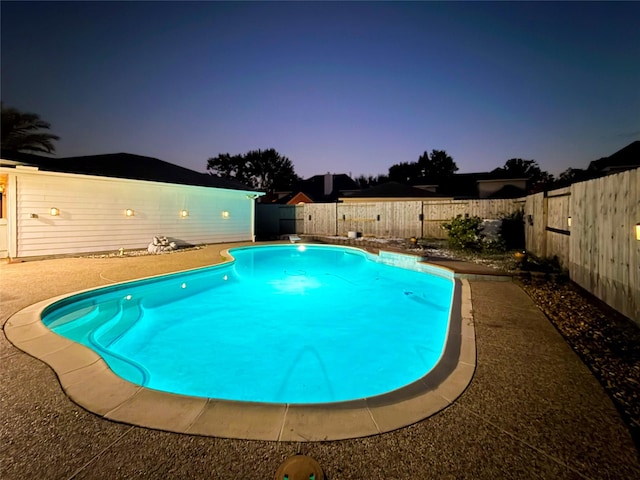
{"type": "Point", "coordinates": [291, 219]}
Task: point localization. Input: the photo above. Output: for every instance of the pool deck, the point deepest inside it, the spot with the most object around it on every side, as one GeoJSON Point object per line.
{"type": "Point", "coordinates": [532, 409]}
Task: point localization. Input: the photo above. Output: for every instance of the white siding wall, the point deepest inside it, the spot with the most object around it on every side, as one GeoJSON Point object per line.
{"type": "Point", "coordinates": [92, 214]}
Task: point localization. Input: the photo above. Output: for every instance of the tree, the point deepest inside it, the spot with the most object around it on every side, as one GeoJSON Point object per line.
{"type": "Point", "coordinates": [404, 172]}
{"type": "Point", "coordinates": [260, 169]}
{"type": "Point", "coordinates": [437, 165]}
{"type": "Point", "coordinates": [270, 171]}
{"type": "Point", "coordinates": [21, 132]}
{"type": "Point", "coordinates": [573, 175]}
{"type": "Point", "coordinates": [229, 166]}
{"type": "Point", "coordinates": [368, 181]}
{"type": "Point", "coordinates": [537, 179]}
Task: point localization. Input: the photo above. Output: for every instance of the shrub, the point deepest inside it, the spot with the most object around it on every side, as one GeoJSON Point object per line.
{"type": "Point", "coordinates": [512, 231]}
{"type": "Point", "coordinates": [464, 233]}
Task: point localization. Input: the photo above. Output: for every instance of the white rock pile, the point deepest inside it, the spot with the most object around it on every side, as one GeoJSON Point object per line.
{"type": "Point", "coordinates": [161, 245]}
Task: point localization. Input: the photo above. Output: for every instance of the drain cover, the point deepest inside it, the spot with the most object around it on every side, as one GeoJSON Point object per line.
{"type": "Point", "coordinates": [299, 467]}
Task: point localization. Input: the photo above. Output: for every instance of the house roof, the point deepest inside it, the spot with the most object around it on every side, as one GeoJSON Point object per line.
{"type": "Point", "coordinates": [392, 190]}
{"type": "Point", "coordinates": [624, 159]}
{"type": "Point", "coordinates": [299, 197]}
{"type": "Point", "coordinates": [508, 191]}
{"type": "Point", "coordinates": [465, 185]}
{"type": "Point", "coordinates": [314, 186]}
{"type": "Point", "coordinates": [126, 165]}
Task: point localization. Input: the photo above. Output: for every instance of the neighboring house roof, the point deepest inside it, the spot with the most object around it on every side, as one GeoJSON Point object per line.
{"type": "Point", "coordinates": [319, 188]}
{"type": "Point", "coordinates": [508, 191]}
{"type": "Point", "coordinates": [299, 197]}
{"type": "Point", "coordinates": [126, 165]}
{"type": "Point", "coordinates": [465, 185]}
{"type": "Point", "coordinates": [624, 159]}
{"type": "Point", "coordinates": [390, 190]}
{"type": "Point", "coordinates": [327, 188]}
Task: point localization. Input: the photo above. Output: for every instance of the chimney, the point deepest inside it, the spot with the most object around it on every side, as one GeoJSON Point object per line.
{"type": "Point", "coordinates": [328, 183]}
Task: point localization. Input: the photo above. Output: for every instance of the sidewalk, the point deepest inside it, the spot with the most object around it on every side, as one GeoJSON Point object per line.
{"type": "Point", "coordinates": [533, 410]}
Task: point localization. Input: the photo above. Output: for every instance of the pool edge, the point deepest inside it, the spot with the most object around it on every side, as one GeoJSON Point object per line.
{"type": "Point", "coordinates": [86, 380]}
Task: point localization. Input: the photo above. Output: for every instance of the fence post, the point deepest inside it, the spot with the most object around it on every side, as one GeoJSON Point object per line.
{"type": "Point", "coordinates": [545, 223]}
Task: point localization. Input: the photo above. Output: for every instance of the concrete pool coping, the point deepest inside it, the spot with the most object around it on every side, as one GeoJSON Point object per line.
{"type": "Point", "coordinates": [89, 382]}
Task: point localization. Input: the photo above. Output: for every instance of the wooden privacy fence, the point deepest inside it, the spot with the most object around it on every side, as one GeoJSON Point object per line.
{"type": "Point", "coordinates": [590, 227]}
{"type": "Point", "coordinates": [379, 219]}
{"type": "Point", "coordinates": [546, 224]}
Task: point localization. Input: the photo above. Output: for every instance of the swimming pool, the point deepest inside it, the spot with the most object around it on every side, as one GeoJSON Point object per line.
{"type": "Point", "coordinates": [290, 324]}
{"type": "Point", "coordinates": [88, 381]}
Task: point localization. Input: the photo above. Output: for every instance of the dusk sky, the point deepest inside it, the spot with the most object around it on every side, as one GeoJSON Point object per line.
{"type": "Point", "coordinates": [346, 87]}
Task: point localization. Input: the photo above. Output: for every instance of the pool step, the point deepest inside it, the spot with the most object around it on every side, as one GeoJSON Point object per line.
{"type": "Point", "coordinates": [78, 324]}
{"type": "Point", "coordinates": [118, 325]}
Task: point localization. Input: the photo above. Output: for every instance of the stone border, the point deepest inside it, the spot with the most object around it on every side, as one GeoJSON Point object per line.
{"type": "Point", "coordinates": [88, 381]}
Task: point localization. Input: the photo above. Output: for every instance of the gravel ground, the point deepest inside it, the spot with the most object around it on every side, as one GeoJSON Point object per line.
{"type": "Point", "coordinates": [606, 341]}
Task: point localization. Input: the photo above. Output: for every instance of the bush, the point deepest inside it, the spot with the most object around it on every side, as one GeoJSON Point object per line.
{"type": "Point", "coordinates": [512, 231]}
{"type": "Point", "coordinates": [464, 233]}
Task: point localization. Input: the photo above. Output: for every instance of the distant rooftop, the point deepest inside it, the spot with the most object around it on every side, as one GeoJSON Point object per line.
{"type": "Point", "coordinates": [624, 159]}
{"type": "Point", "coordinates": [393, 190]}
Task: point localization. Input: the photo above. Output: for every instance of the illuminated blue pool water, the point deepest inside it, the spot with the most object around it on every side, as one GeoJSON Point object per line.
{"type": "Point", "coordinates": [281, 324]}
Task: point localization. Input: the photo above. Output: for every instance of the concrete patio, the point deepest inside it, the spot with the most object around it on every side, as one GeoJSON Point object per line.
{"type": "Point", "coordinates": [532, 410]}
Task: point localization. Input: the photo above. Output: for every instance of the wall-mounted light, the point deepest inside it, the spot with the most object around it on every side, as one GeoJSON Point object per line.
{"type": "Point", "coordinates": [225, 214]}
{"type": "Point", "coordinates": [184, 213]}
{"type": "Point", "coordinates": [129, 212]}
{"type": "Point", "coordinates": [637, 231]}
{"type": "Point", "coordinates": [54, 212]}
{"type": "Point", "coordinates": [569, 221]}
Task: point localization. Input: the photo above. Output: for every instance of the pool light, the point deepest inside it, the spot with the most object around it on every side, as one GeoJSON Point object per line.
{"type": "Point", "coordinates": [184, 213]}
{"type": "Point", "coordinates": [225, 214]}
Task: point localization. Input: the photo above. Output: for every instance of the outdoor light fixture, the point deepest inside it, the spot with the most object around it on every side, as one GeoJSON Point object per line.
{"type": "Point", "coordinates": [637, 231]}
{"type": "Point", "coordinates": [129, 212]}
{"type": "Point", "coordinates": [184, 213]}
{"type": "Point", "coordinates": [569, 221]}
{"type": "Point", "coordinates": [225, 214]}
{"type": "Point", "coordinates": [54, 212]}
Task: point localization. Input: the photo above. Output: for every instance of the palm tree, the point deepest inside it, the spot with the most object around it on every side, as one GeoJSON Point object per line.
{"type": "Point", "coordinates": [21, 132]}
